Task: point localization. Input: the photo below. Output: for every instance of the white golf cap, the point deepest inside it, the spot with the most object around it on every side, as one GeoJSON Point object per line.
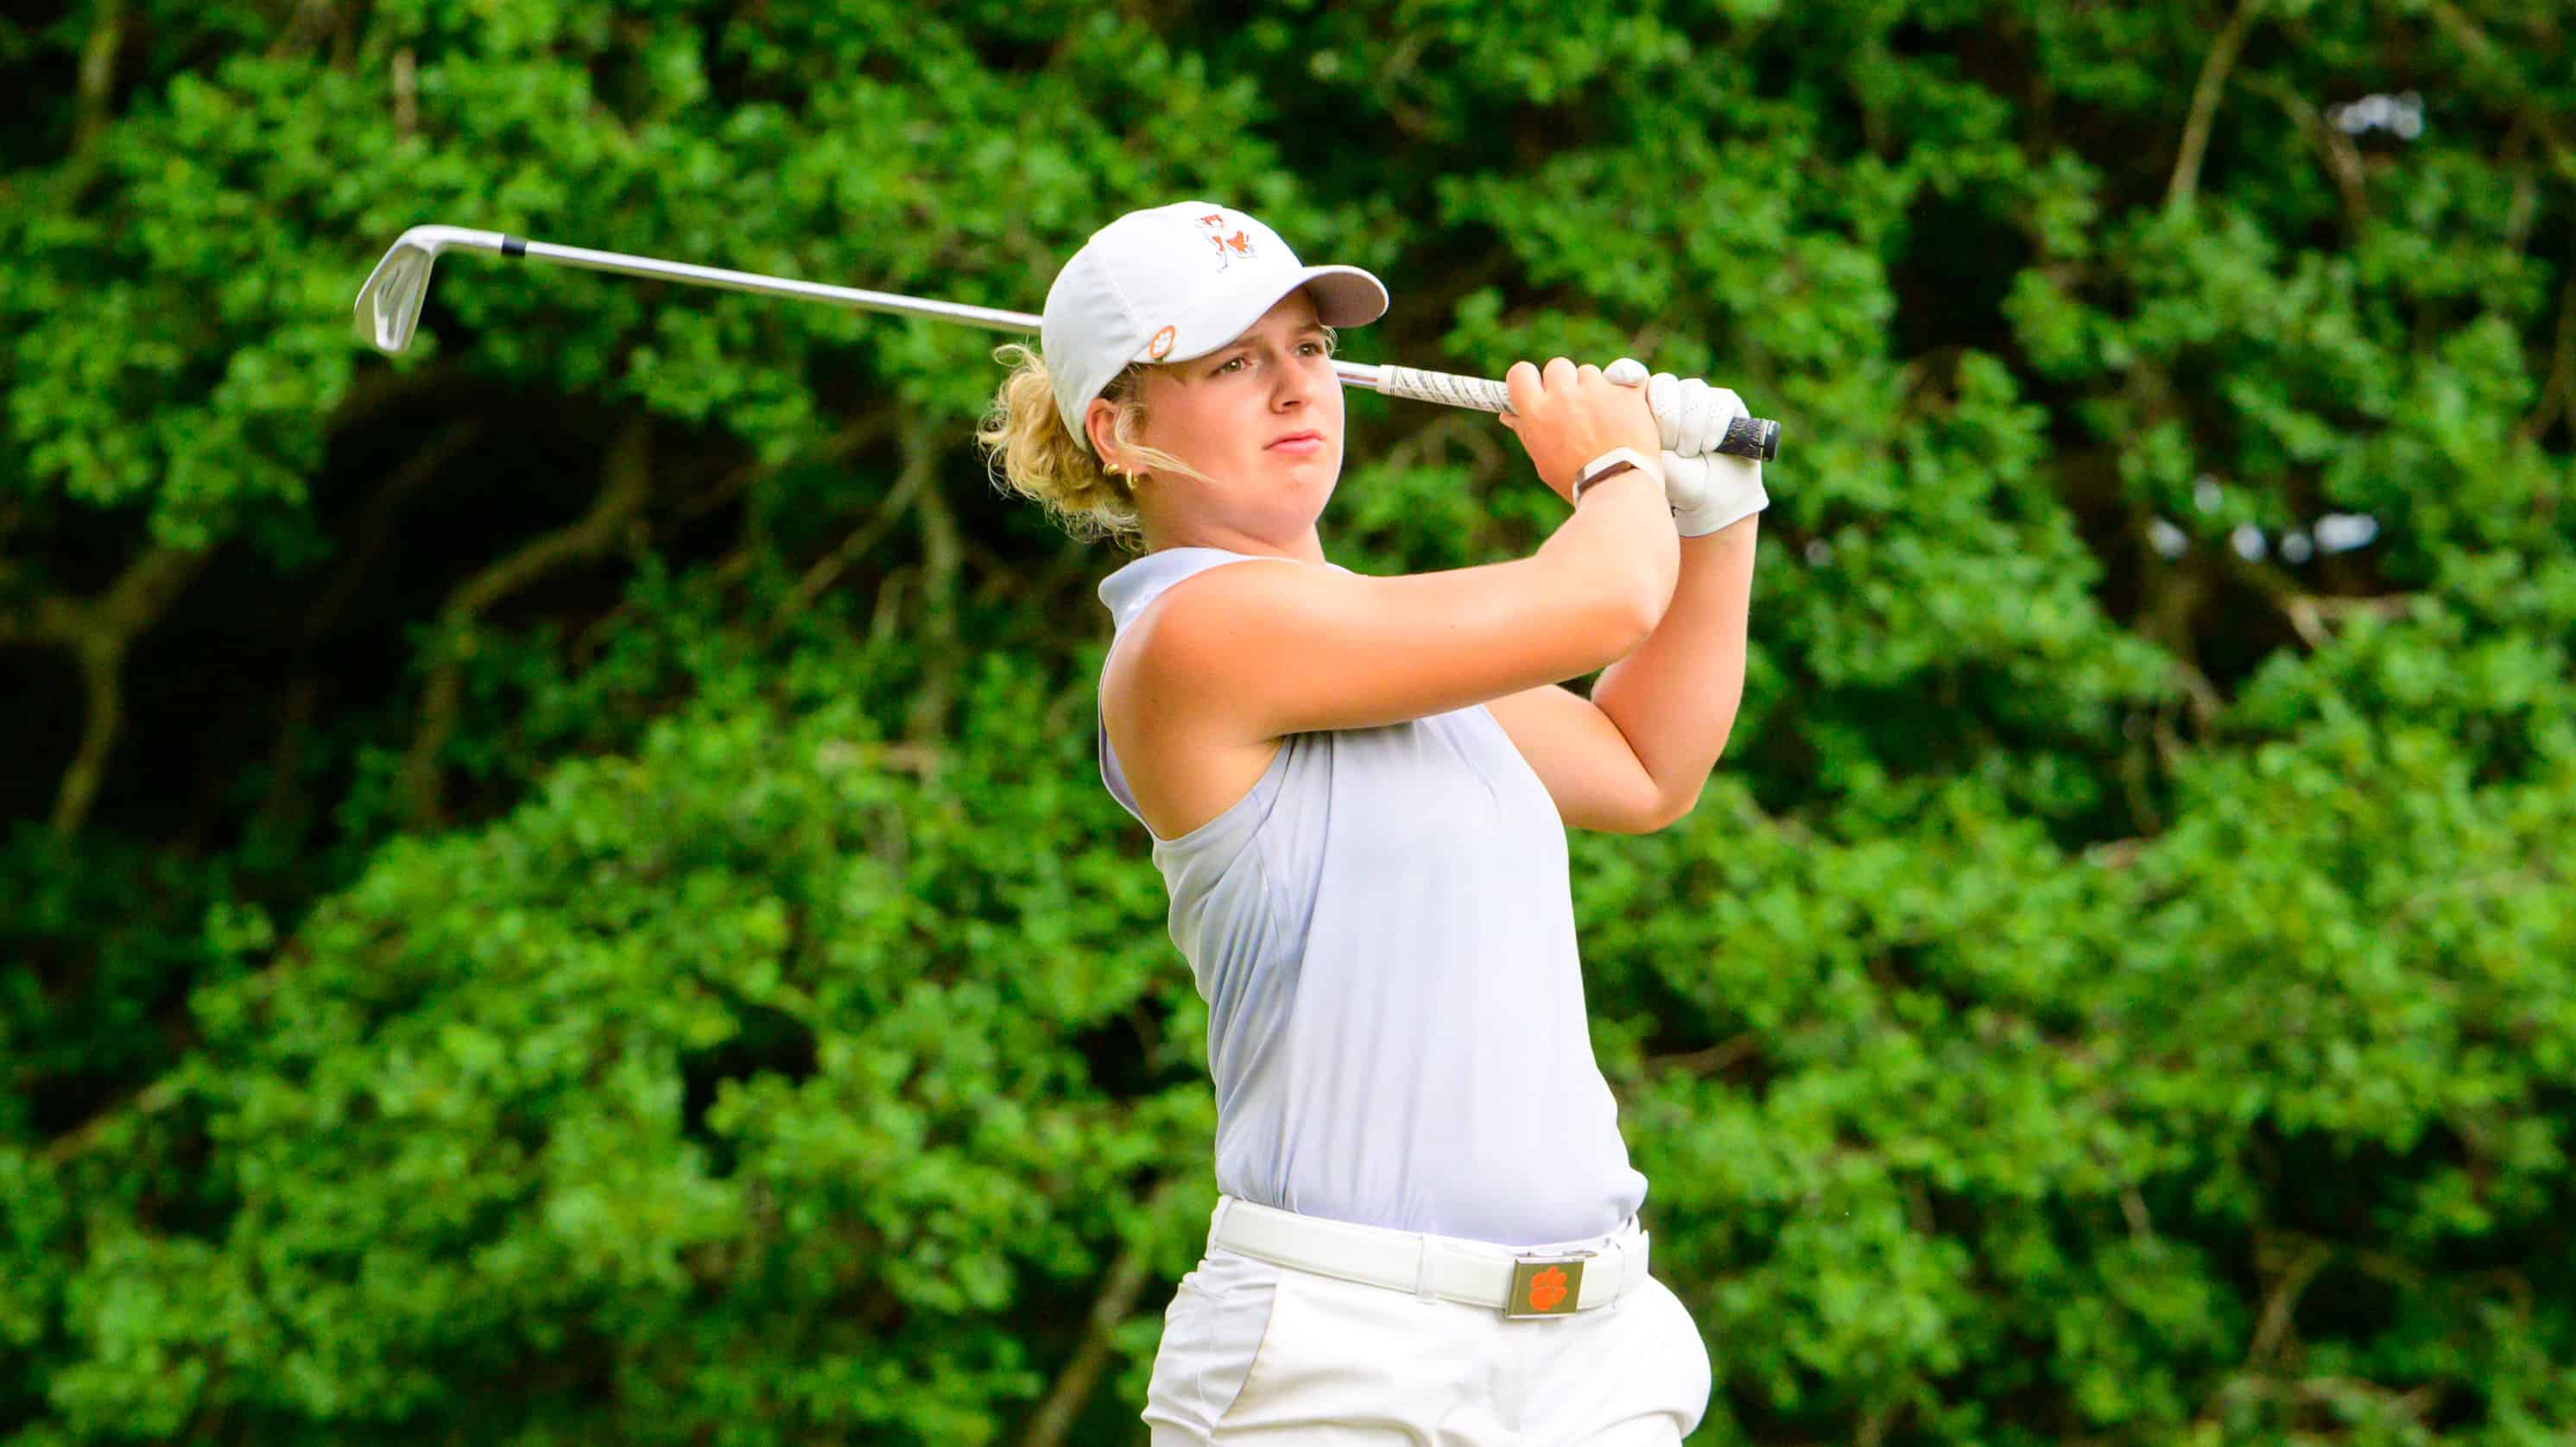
{"type": "Point", "coordinates": [1177, 282]}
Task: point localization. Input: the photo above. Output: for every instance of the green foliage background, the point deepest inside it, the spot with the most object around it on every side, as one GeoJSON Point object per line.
{"type": "Point", "coordinates": [555, 889]}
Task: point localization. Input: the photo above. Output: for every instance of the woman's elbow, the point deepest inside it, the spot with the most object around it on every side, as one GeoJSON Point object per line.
{"type": "Point", "coordinates": [1673, 809]}
{"type": "Point", "coordinates": [1673, 812]}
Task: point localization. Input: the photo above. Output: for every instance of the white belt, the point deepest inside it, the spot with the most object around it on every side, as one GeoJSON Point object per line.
{"type": "Point", "coordinates": [1477, 1273]}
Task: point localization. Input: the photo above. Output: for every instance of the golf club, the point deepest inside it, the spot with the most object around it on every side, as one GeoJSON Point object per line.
{"type": "Point", "coordinates": [389, 308]}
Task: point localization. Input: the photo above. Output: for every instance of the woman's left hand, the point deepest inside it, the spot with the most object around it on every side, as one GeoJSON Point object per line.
{"type": "Point", "coordinates": [1707, 489]}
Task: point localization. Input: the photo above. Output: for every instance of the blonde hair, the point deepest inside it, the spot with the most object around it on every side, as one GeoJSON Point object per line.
{"type": "Point", "coordinates": [1031, 451]}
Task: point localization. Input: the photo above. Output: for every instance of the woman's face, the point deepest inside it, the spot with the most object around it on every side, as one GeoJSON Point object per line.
{"type": "Point", "coordinates": [1260, 418]}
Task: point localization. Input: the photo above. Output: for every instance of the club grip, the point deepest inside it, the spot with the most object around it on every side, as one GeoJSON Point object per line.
{"type": "Point", "coordinates": [1754, 437]}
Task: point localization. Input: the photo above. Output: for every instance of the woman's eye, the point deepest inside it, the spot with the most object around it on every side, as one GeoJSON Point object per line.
{"type": "Point", "coordinates": [1230, 364]}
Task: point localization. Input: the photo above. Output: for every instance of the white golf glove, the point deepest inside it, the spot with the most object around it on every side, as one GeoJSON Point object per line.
{"type": "Point", "coordinates": [1706, 489]}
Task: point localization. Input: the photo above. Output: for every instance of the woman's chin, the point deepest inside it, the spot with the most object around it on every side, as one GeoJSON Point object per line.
{"type": "Point", "coordinates": [1309, 469]}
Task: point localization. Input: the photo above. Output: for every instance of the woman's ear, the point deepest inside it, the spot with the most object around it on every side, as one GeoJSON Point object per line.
{"type": "Point", "coordinates": [1100, 422]}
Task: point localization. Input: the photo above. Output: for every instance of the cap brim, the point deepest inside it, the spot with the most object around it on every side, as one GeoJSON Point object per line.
{"type": "Point", "coordinates": [1345, 296]}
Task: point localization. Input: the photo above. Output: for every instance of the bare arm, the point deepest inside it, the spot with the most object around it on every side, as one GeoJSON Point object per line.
{"type": "Point", "coordinates": [1587, 759]}
{"type": "Point", "coordinates": [1281, 647]}
{"type": "Point", "coordinates": [1247, 652]}
{"type": "Point", "coordinates": [1675, 698]}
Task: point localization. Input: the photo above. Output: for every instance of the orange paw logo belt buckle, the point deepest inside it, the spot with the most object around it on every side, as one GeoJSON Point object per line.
{"type": "Point", "coordinates": [1546, 1285]}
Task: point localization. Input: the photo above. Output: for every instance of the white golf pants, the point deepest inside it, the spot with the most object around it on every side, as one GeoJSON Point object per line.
{"type": "Point", "coordinates": [1258, 1353]}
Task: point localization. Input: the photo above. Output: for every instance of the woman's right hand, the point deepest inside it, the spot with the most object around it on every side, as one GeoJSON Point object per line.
{"type": "Point", "coordinates": [1567, 415]}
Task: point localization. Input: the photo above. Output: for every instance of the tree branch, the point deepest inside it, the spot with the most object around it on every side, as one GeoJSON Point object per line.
{"type": "Point", "coordinates": [2204, 107]}
{"type": "Point", "coordinates": [1074, 1385]}
{"type": "Point", "coordinates": [1117, 1299]}
{"type": "Point", "coordinates": [406, 93]}
{"type": "Point", "coordinates": [739, 560]}
{"type": "Point", "coordinates": [2307, 613]}
{"type": "Point", "coordinates": [942, 561]}
{"type": "Point", "coordinates": [369, 538]}
{"type": "Point", "coordinates": [98, 73]}
{"type": "Point", "coordinates": [2281, 1299]}
{"type": "Point", "coordinates": [1715, 1060]}
{"type": "Point", "coordinates": [102, 658]}
{"type": "Point", "coordinates": [1874, 1424]}
{"type": "Point", "coordinates": [97, 632]}
{"type": "Point", "coordinates": [147, 587]}
{"type": "Point", "coordinates": [2558, 394]}
{"type": "Point", "coordinates": [2133, 1208]}
{"type": "Point", "coordinates": [2526, 191]}
{"type": "Point", "coordinates": [1005, 580]}
{"type": "Point", "coordinates": [376, 525]}
{"type": "Point", "coordinates": [2343, 161]}
{"type": "Point", "coordinates": [2500, 70]}
{"type": "Point", "coordinates": [915, 474]}
{"type": "Point", "coordinates": [151, 1100]}
{"type": "Point", "coordinates": [625, 487]}
{"type": "Point", "coordinates": [628, 481]}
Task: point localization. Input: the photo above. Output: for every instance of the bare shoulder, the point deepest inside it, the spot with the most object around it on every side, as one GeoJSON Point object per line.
{"type": "Point", "coordinates": [1161, 672]}
{"type": "Point", "coordinates": [1186, 756]}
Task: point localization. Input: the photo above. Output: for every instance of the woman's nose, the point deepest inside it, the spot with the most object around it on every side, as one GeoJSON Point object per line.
{"type": "Point", "coordinates": [1295, 389]}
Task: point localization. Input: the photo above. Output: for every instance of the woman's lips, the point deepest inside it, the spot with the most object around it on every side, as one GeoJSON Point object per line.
{"type": "Point", "coordinates": [1301, 444]}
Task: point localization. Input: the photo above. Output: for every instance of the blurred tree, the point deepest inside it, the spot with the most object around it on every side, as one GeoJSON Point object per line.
{"type": "Point", "coordinates": [556, 889]}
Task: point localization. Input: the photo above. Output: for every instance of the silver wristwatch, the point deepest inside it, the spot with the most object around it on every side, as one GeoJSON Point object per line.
{"type": "Point", "coordinates": [1610, 464]}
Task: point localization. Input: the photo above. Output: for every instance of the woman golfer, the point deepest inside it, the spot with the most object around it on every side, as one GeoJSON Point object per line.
{"type": "Point", "coordinates": [1358, 789]}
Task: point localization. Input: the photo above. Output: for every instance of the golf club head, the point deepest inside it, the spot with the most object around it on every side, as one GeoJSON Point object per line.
{"type": "Point", "coordinates": [389, 304]}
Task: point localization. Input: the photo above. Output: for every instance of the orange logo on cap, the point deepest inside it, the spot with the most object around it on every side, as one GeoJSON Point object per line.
{"type": "Point", "coordinates": [1212, 226]}
{"type": "Point", "coordinates": [1546, 1289]}
{"type": "Point", "coordinates": [1162, 343]}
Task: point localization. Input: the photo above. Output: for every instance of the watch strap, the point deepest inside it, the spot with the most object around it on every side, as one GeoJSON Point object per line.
{"type": "Point", "coordinates": [1610, 464]}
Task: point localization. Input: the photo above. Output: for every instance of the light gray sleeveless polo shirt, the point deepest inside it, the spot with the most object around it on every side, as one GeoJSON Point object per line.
{"type": "Point", "coordinates": [1384, 934]}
